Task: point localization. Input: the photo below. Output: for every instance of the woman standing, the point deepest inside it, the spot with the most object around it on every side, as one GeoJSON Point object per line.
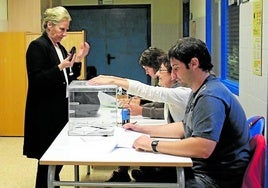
{"type": "Point", "coordinates": [50, 69]}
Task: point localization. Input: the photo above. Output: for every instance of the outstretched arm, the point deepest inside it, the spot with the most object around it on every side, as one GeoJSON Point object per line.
{"type": "Point", "coordinates": [110, 80]}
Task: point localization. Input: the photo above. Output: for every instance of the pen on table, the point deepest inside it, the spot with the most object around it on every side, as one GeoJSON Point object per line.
{"type": "Point", "coordinates": [130, 100]}
{"type": "Point", "coordinates": [135, 122]}
{"type": "Point", "coordinates": [98, 127]}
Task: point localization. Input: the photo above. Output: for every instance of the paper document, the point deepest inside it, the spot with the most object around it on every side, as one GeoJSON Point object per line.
{"type": "Point", "coordinates": [125, 138]}
{"type": "Point", "coordinates": [121, 138]}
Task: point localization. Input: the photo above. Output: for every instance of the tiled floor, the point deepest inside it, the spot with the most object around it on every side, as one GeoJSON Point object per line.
{"type": "Point", "coordinates": [17, 171]}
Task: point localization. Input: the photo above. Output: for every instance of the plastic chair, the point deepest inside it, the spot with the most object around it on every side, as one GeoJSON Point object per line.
{"type": "Point", "coordinates": [256, 125]}
{"type": "Point", "coordinates": [254, 176]}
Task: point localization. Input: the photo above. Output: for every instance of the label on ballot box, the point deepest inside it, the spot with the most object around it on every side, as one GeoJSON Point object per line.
{"type": "Point", "coordinates": [92, 109]}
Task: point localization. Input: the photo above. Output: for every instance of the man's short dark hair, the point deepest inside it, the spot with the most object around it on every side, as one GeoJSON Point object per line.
{"type": "Point", "coordinates": [187, 48]}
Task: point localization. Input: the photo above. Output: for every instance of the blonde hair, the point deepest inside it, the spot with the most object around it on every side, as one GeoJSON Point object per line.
{"type": "Point", "coordinates": [55, 15]}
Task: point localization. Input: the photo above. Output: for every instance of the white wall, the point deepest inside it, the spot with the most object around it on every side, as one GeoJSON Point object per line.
{"type": "Point", "coordinates": [252, 88]}
{"type": "Point", "coordinates": [197, 19]}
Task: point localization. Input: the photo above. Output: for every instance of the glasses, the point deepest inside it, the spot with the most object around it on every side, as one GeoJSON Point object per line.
{"type": "Point", "coordinates": [162, 70]}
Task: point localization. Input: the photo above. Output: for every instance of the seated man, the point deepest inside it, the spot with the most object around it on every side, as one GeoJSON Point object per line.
{"type": "Point", "coordinates": [214, 131]}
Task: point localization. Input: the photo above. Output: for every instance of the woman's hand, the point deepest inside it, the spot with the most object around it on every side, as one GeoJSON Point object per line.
{"type": "Point", "coordinates": [82, 52]}
{"type": "Point", "coordinates": [67, 62]}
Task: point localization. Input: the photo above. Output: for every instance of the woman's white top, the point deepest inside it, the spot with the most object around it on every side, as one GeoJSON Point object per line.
{"type": "Point", "coordinates": [175, 99]}
{"type": "Point", "coordinates": [64, 70]}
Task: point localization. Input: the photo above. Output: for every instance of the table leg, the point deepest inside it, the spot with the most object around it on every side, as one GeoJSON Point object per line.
{"type": "Point", "coordinates": [52, 183]}
{"type": "Point", "coordinates": [180, 176]}
{"type": "Point", "coordinates": [88, 170]}
{"type": "Point", "coordinates": [51, 176]}
{"type": "Point", "coordinates": [76, 174]}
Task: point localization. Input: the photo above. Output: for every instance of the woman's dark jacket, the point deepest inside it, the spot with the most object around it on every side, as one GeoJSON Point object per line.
{"type": "Point", "coordinates": [46, 106]}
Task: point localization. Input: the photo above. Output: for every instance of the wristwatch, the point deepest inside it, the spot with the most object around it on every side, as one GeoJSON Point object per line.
{"type": "Point", "coordinates": [154, 145]}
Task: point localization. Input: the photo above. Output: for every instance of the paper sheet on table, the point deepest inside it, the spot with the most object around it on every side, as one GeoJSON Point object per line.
{"type": "Point", "coordinates": [122, 138]}
{"type": "Point", "coordinates": [100, 144]}
{"type": "Point", "coordinates": [125, 138]}
{"type": "Point", "coordinates": [106, 100]}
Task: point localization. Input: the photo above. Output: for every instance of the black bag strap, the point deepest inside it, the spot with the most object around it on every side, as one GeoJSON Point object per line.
{"type": "Point", "coordinates": [257, 118]}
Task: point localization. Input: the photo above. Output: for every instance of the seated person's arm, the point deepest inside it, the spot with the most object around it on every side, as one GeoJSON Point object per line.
{"type": "Point", "coordinates": [152, 110]}
{"type": "Point", "coordinates": [171, 130]}
{"type": "Point", "coordinates": [153, 113]}
{"type": "Point", "coordinates": [154, 104]}
{"type": "Point", "coordinates": [196, 147]}
{"type": "Point", "coordinates": [110, 80]}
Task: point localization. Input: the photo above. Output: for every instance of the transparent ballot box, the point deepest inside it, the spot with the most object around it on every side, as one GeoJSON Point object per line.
{"type": "Point", "coordinates": [92, 109]}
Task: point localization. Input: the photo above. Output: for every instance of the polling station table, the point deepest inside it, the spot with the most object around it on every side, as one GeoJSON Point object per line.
{"type": "Point", "coordinates": [105, 151]}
